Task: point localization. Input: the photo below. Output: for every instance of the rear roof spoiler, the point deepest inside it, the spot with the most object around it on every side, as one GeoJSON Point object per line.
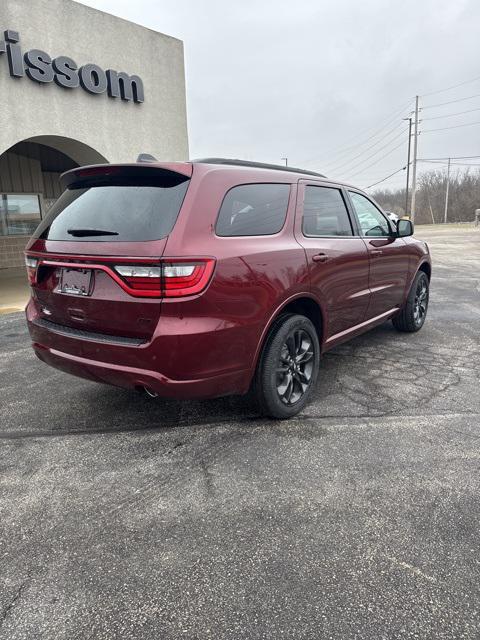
{"type": "Point", "coordinates": [102, 174]}
{"type": "Point", "coordinates": [146, 157]}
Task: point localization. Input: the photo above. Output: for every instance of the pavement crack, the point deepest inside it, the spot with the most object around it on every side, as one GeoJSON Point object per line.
{"type": "Point", "coordinates": [177, 445]}
{"type": "Point", "coordinates": [16, 596]}
{"type": "Point", "coordinates": [411, 569]}
{"type": "Point", "coordinates": [208, 477]}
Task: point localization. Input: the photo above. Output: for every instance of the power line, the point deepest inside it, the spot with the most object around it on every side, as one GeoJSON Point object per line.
{"type": "Point", "coordinates": [370, 147]}
{"type": "Point", "coordinates": [350, 160]}
{"type": "Point", "coordinates": [395, 115]}
{"type": "Point", "coordinates": [394, 179]}
{"type": "Point", "coordinates": [343, 154]}
{"type": "Point", "coordinates": [457, 126]}
{"type": "Point", "coordinates": [451, 157]}
{"type": "Point", "coordinates": [342, 150]}
{"type": "Point", "coordinates": [379, 160]}
{"type": "Point", "coordinates": [449, 115]}
{"type": "Point", "coordinates": [458, 164]}
{"type": "Point", "coordinates": [378, 150]}
{"type": "Point", "coordinates": [465, 164]}
{"type": "Point", "coordinates": [454, 86]}
{"type": "Point", "coordinates": [441, 104]}
{"type": "Point", "coordinates": [389, 176]}
{"type": "Point", "coordinates": [442, 161]}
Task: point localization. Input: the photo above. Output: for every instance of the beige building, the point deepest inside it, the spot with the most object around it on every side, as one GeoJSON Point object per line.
{"type": "Point", "coordinates": [78, 87]}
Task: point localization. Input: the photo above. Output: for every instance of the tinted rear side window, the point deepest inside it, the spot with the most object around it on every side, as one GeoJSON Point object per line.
{"type": "Point", "coordinates": [253, 210]}
{"type": "Point", "coordinates": [126, 212]}
{"type": "Point", "coordinates": [325, 213]}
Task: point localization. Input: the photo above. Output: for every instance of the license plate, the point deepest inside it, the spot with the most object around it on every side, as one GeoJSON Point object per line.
{"type": "Point", "coordinates": [76, 282]}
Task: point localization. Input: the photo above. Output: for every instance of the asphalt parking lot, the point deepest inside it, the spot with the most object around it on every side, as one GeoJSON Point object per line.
{"type": "Point", "coordinates": [123, 517]}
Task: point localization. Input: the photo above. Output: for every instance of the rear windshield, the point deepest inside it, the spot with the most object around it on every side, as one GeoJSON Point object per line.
{"type": "Point", "coordinates": [113, 213]}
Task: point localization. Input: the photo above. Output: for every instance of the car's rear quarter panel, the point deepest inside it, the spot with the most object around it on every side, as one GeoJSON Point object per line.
{"type": "Point", "coordinates": [221, 329]}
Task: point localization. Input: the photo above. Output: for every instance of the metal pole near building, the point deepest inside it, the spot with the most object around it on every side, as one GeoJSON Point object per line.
{"type": "Point", "coordinates": [414, 163]}
{"type": "Point", "coordinates": [446, 192]}
{"type": "Point", "coordinates": [408, 163]}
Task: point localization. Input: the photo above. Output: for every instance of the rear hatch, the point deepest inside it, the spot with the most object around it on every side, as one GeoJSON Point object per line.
{"type": "Point", "coordinates": [94, 260]}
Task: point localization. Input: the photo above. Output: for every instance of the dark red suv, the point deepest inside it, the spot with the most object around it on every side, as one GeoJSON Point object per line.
{"type": "Point", "coordinates": [214, 277]}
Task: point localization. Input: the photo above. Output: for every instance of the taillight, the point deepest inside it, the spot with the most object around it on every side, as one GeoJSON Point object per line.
{"type": "Point", "coordinates": [185, 278]}
{"type": "Point", "coordinates": [172, 279]}
{"type": "Point", "coordinates": [31, 264]}
{"type": "Point", "coordinates": [141, 278]}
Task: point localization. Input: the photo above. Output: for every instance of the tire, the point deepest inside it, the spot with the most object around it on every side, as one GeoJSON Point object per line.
{"type": "Point", "coordinates": [288, 367]}
{"type": "Point", "coordinates": [412, 316]}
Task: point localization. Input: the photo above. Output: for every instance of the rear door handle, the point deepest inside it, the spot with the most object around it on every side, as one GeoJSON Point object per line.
{"type": "Point", "coordinates": [320, 257]}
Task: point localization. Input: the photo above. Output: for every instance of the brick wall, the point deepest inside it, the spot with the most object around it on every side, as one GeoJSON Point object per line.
{"type": "Point", "coordinates": [11, 251]}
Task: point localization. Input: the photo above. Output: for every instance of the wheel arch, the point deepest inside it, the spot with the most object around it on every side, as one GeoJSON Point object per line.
{"type": "Point", "coordinates": [303, 304]}
{"type": "Point", "coordinates": [426, 267]}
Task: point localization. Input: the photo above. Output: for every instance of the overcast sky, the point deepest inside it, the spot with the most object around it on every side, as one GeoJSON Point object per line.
{"type": "Point", "coordinates": [273, 78]}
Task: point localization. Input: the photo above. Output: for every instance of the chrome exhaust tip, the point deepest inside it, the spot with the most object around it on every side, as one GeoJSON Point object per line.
{"type": "Point", "coordinates": [150, 393]}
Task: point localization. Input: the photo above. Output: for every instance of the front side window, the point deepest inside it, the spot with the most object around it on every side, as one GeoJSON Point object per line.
{"type": "Point", "coordinates": [253, 210]}
{"type": "Point", "coordinates": [325, 213]}
{"type": "Point", "coordinates": [19, 214]}
{"type": "Point", "coordinates": [371, 221]}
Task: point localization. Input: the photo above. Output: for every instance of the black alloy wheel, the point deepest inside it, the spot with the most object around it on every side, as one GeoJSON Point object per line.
{"type": "Point", "coordinates": [295, 366]}
{"type": "Point", "coordinates": [288, 367]}
{"type": "Point", "coordinates": [421, 301]}
{"type": "Point", "coordinates": [412, 315]}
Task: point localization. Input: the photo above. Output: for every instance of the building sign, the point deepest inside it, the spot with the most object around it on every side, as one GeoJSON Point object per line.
{"type": "Point", "coordinates": [39, 67]}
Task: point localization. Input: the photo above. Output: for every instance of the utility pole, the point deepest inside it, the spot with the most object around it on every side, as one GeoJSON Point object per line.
{"type": "Point", "coordinates": [408, 162]}
{"type": "Point", "coordinates": [414, 164]}
{"type": "Point", "coordinates": [446, 192]}
{"type": "Point", "coordinates": [286, 161]}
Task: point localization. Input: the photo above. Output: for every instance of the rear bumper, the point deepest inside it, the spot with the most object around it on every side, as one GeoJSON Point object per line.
{"type": "Point", "coordinates": [132, 365]}
{"type": "Point", "coordinates": [133, 378]}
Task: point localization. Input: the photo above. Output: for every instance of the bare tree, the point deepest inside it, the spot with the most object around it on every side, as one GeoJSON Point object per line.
{"type": "Point", "coordinates": [464, 197]}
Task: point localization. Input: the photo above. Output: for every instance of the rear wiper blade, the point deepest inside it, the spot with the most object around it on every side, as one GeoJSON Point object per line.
{"type": "Point", "coordinates": [91, 232]}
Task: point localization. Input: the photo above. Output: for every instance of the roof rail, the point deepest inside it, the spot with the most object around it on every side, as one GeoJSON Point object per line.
{"type": "Point", "coordinates": [258, 165]}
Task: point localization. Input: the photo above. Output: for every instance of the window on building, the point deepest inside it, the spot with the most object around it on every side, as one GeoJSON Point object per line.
{"type": "Point", "coordinates": [19, 214]}
{"type": "Point", "coordinates": [372, 221]}
{"type": "Point", "coordinates": [253, 210]}
{"type": "Point", "coordinates": [325, 213]}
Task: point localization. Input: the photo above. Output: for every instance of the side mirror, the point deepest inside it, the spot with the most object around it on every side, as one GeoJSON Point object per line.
{"type": "Point", "coordinates": [404, 228]}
